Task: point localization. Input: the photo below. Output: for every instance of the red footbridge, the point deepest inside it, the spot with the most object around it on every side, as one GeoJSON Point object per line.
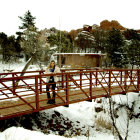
{"type": "Point", "coordinates": [74, 85]}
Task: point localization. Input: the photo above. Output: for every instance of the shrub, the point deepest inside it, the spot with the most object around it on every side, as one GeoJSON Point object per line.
{"type": "Point", "coordinates": [103, 123]}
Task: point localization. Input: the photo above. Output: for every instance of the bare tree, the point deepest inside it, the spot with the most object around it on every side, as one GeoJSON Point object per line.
{"type": "Point", "coordinates": [113, 120]}
{"type": "Point", "coordinates": [129, 113]}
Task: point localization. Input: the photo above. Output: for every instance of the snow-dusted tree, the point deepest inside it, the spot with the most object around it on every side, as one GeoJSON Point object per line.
{"type": "Point", "coordinates": [132, 48]}
{"type": "Point", "coordinates": [29, 36]}
{"type": "Point", "coordinates": [28, 21]}
{"type": "Point", "coordinates": [61, 40]}
{"type": "Point", "coordinates": [3, 44]}
{"type": "Point", "coordinates": [133, 53]}
{"type": "Point", "coordinates": [85, 41]}
{"type": "Point", "coordinates": [100, 37]}
{"type": "Point", "coordinates": [30, 40]}
{"type": "Point", "coordinates": [10, 48]}
{"type": "Point", "coordinates": [73, 34]}
{"type": "Point", "coordinates": [114, 47]}
{"type": "Point", "coordinates": [131, 34]}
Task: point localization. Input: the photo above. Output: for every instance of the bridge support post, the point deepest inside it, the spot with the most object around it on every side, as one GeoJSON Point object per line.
{"type": "Point", "coordinates": [121, 78]}
{"type": "Point", "coordinates": [96, 78]}
{"type": "Point", "coordinates": [109, 86]}
{"type": "Point", "coordinates": [125, 82]}
{"type": "Point", "coordinates": [36, 93]}
{"type": "Point", "coordinates": [131, 73]}
{"type": "Point", "coordinates": [91, 85]}
{"type": "Point", "coordinates": [14, 86]}
{"type": "Point", "coordinates": [67, 91]}
{"type": "Point", "coordinates": [80, 78]}
{"type": "Point", "coordinates": [138, 80]}
{"type": "Point", "coordinates": [40, 82]}
{"type": "Point", "coordinates": [62, 79]}
{"type": "Point", "coordinates": [90, 88]}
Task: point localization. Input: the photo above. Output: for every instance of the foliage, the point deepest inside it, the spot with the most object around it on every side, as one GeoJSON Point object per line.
{"type": "Point", "coordinates": [27, 21]}
{"type": "Point", "coordinates": [29, 37]}
{"type": "Point", "coordinates": [85, 41]}
{"type": "Point", "coordinates": [131, 34]}
{"type": "Point", "coordinates": [10, 47]}
{"type": "Point", "coordinates": [62, 40]}
{"type": "Point", "coordinates": [103, 123]}
{"type": "Point", "coordinates": [73, 34]}
{"type": "Point", "coordinates": [30, 42]}
{"type": "Point", "coordinates": [114, 47]}
{"type": "Point", "coordinates": [132, 48]}
{"type": "Point", "coordinates": [3, 43]}
{"type": "Point", "coordinates": [100, 37]}
{"type": "Point", "coordinates": [133, 53]}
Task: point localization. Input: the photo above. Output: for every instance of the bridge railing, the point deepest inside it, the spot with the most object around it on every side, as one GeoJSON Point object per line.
{"type": "Point", "coordinates": [73, 86]}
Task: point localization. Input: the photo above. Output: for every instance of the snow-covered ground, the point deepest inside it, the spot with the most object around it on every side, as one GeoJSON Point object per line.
{"type": "Point", "coordinates": [19, 133]}
{"type": "Point", "coordinates": [85, 113]}
{"type": "Point", "coordinates": [15, 67]}
{"type": "Point", "coordinates": [93, 118]}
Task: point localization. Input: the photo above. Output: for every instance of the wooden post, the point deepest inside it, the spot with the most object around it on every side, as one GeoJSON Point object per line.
{"type": "Point", "coordinates": [121, 78]}
{"type": "Point", "coordinates": [80, 78]}
{"type": "Point", "coordinates": [131, 81]}
{"type": "Point", "coordinates": [36, 93]}
{"type": "Point", "coordinates": [96, 77]}
{"type": "Point", "coordinates": [14, 85]}
{"type": "Point", "coordinates": [91, 85]}
{"type": "Point", "coordinates": [109, 86]}
{"type": "Point", "coordinates": [59, 61]}
{"type": "Point", "coordinates": [138, 80]}
{"type": "Point", "coordinates": [67, 90]}
{"type": "Point", "coordinates": [40, 82]}
{"type": "Point", "coordinates": [62, 79]}
{"type": "Point", "coordinates": [125, 81]}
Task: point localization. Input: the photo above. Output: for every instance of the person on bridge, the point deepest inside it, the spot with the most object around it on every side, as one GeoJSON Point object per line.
{"type": "Point", "coordinates": [51, 80]}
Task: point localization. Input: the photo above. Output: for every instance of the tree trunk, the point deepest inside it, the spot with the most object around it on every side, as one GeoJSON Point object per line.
{"type": "Point", "coordinates": [113, 121]}
{"type": "Point", "coordinates": [25, 68]}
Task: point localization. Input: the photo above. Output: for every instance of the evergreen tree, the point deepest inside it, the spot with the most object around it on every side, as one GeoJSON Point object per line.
{"type": "Point", "coordinates": [114, 47]}
{"type": "Point", "coordinates": [62, 40]}
{"type": "Point", "coordinates": [28, 21]}
{"type": "Point", "coordinates": [10, 47]}
{"type": "Point", "coordinates": [29, 37]}
{"type": "Point", "coordinates": [131, 34]}
{"type": "Point", "coordinates": [100, 37]}
{"type": "Point", "coordinates": [85, 41]}
{"type": "Point", "coordinates": [30, 41]}
{"type": "Point", "coordinates": [133, 47]}
{"type": "Point", "coordinates": [133, 53]}
{"type": "Point", "coordinates": [3, 44]}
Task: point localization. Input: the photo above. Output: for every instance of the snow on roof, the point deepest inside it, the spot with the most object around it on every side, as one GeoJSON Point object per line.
{"type": "Point", "coordinates": [81, 54]}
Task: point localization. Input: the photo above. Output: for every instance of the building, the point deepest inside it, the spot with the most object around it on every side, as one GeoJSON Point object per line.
{"type": "Point", "coordinates": [79, 60]}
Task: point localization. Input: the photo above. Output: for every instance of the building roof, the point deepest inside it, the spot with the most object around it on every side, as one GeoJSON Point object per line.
{"type": "Point", "coordinates": [81, 54]}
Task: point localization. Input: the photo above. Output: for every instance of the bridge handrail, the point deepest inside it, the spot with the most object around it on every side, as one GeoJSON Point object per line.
{"type": "Point", "coordinates": [62, 73]}
{"type": "Point", "coordinates": [41, 71]}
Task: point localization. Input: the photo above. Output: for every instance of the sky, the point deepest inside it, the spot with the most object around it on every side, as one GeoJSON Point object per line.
{"type": "Point", "coordinates": [68, 14]}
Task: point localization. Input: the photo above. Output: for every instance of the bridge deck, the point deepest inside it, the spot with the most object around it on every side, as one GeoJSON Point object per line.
{"type": "Point", "coordinates": [74, 96]}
